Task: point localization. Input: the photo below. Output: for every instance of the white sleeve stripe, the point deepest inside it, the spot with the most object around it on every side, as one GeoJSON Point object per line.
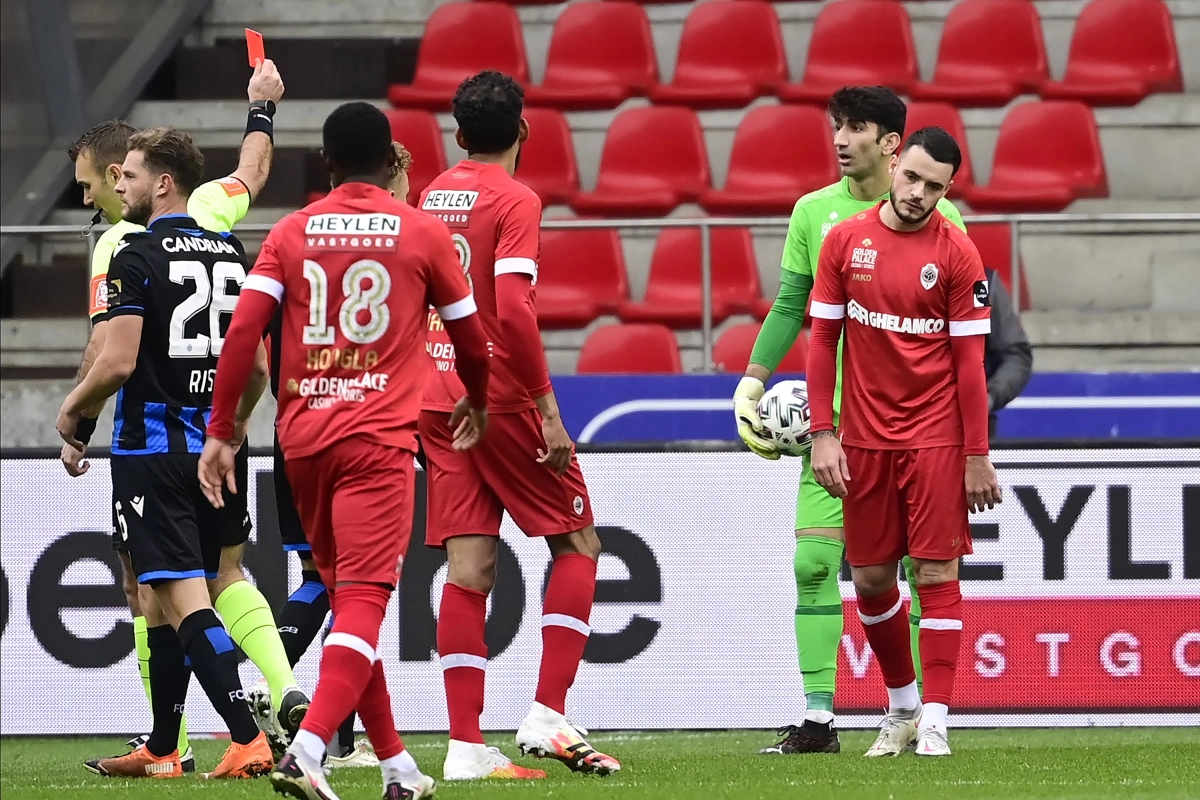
{"type": "Point", "coordinates": [458, 309]}
{"type": "Point", "coordinates": [525, 266]}
{"type": "Point", "coordinates": [261, 283]}
{"type": "Point", "coordinates": [827, 310]}
{"type": "Point", "coordinates": [969, 327]}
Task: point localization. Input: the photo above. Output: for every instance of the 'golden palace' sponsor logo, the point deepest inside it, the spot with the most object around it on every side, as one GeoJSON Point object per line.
{"type": "Point", "coordinates": [350, 358]}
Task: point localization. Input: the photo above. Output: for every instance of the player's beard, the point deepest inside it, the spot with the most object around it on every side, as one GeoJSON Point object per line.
{"type": "Point", "coordinates": [517, 160]}
{"type": "Point", "coordinates": [905, 213]}
{"type": "Point", "coordinates": [138, 210]}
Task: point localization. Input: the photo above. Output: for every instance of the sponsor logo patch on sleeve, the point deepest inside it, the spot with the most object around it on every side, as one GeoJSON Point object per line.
{"type": "Point", "coordinates": [983, 298]}
{"type": "Point", "coordinates": [98, 294]}
{"type": "Point", "coordinates": [232, 186]}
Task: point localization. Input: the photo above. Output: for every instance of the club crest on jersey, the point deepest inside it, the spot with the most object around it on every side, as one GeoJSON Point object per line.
{"type": "Point", "coordinates": [929, 274]}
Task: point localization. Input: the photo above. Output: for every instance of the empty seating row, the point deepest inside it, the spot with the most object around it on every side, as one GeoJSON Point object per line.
{"type": "Point", "coordinates": [582, 276]}
{"type": "Point", "coordinates": [647, 348]}
{"type": "Point", "coordinates": [654, 159]}
{"type": "Point", "coordinates": [732, 51]}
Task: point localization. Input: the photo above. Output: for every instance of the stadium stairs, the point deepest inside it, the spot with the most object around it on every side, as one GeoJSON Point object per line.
{"type": "Point", "coordinates": [1101, 298]}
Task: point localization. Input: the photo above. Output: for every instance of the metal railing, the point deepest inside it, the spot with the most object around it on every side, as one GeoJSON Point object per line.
{"type": "Point", "coordinates": [1136, 221]}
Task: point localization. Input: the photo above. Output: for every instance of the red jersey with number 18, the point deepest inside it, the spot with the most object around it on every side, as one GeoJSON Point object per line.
{"type": "Point", "coordinates": [355, 274]}
{"type": "Point", "coordinates": [903, 296]}
{"type": "Point", "coordinates": [494, 220]}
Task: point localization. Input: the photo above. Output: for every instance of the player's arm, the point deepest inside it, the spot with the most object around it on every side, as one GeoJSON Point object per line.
{"type": "Point", "coordinates": [450, 294]}
{"type": "Point", "coordinates": [829, 314]}
{"type": "Point", "coordinates": [127, 278]}
{"type": "Point", "coordinates": [970, 322]}
{"type": "Point", "coordinates": [219, 205]}
{"type": "Point", "coordinates": [516, 271]}
{"type": "Point", "coordinates": [777, 335]}
{"type": "Point", "coordinates": [260, 377]}
{"type": "Point", "coordinates": [261, 294]}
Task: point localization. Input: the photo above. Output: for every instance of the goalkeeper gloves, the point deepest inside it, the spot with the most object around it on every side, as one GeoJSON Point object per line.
{"type": "Point", "coordinates": [749, 424]}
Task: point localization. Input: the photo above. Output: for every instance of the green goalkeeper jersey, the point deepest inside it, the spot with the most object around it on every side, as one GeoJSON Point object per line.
{"type": "Point", "coordinates": [813, 217]}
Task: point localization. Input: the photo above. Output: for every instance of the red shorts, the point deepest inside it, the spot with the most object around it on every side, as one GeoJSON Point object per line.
{"type": "Point", "coordinates": [469, 491]}
{"type": "Point", "coordinates": [355, 500]}
{"type": "Point", "coordinates": [906, 502]}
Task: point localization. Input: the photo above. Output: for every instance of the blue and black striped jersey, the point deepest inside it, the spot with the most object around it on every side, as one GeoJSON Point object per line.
{"type": "Point", "coordinates": [184, 282]}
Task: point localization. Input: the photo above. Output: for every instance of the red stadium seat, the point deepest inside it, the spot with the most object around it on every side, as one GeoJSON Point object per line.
{"type": "Point", "coordinates": [1047, 156]}
{"type": "Point", "coordinates": [421, 135]}
{"type": "Point", "coordinates": [653, 160]}
{"type": "Point", "coordinates": [729, 54]}
{"type": "Point", "coordinates": [779, 153]}
{"type": "Point", "coordinates": [673, 291]}
{"type": "Point", "coordinates": [946, 117]}
{"type": "Point", "coordinates": [581, 275]}
{"type": "Point", "coordinates": [993, 240]}
{"type": "Point", "coordinates": [460, 40]}
{"type": "Point", "coordinates": [731, 353]}
{"type": "Point", "coordinates": [548, 158]}
{"type": "Point", "coordinates": [645, 349]}
{"type": "Point", "coordinates": [1121, 51]}
{"type": "Point", "coordinates": [601, 54]}
{"type": "Point", "coordinates": [856, 42]}
{"type": "Point", "coordinates": [990, 52]}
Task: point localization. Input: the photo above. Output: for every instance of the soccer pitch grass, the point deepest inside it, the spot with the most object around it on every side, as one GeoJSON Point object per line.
{"type": "Point", "coordinates": [1008, 764]}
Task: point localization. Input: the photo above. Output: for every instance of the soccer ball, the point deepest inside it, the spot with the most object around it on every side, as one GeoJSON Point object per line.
{"type": "Point", "coordinates": [786, 418]}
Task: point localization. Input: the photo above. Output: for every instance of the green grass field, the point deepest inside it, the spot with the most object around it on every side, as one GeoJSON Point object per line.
{"type": "Point", "coordinates": [997, 765]}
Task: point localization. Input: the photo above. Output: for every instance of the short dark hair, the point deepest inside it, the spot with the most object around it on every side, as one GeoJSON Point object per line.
{"type": "Point", "coordinates": [107, 143]}
{"type": "Point", "coordinates": [487, 108]}
{"type": "Point", "coordinates": [877, 104]}
{"type": "Point", "coordinates": [171, 151]}
{"type": "Point", "coordinates": [939, 144]}
{"type": "Point", "coordinates": [357, 139]}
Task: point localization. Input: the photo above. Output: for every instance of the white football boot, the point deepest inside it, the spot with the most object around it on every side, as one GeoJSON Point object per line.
{"type": "Point", "coordinates": [467, 761]}
{"type": "Point", "coordinates": [897, 731]}
{"type": "Point", "coordinates": [545, 733]}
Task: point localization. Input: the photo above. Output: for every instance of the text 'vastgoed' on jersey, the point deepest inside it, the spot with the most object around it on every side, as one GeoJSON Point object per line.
{"type": "Point", "coordinates": [184, 282]}
{"type": "Point", "coordinates": [495, 221]}
{"type": "Point", "coordinates": [355, 274]}
{"type": "Point", "coordinates": [903, 295]}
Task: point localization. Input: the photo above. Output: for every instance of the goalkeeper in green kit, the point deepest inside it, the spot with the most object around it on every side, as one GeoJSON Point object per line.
{"type": "Point", "coordinates": [868, 124]}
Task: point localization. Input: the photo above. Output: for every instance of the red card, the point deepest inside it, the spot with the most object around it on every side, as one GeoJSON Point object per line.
{"type": "Point", "coordinates": [254, 47]}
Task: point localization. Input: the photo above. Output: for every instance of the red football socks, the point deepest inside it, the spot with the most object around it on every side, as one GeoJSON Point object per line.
{"type": "Point", "coordinates": [940, 638]}
{"type": "Point", "coordinates": [565, 613]}
{"type": "Point", "coordinates": [347, 658]}
{"type": "Point", "coordinates": [464, 658]}
{"type": "Point", "coordinates": [886, 625]}
{"type": "Point", "coordinates": [375, 710]}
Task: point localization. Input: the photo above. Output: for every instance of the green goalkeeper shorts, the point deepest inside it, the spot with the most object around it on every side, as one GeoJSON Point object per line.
{"type": "Point", "coordinates": [815, 507]}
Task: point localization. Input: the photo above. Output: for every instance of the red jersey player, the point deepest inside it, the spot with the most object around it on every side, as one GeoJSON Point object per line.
{"type": "Point", "coordinates": [912, 292]}
{"type": "Point", "coordinates": [526, 466]}
{"type": "Point", "coordinates": [355, 273]}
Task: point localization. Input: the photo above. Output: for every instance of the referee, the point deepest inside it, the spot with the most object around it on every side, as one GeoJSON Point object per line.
{"type": "Point", "coordinates": [170, 292]}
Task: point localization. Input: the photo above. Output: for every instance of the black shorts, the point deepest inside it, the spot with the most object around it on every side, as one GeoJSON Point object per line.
{"type": "Point", "coordinates": [233, 534]}
{"type": "Point", "coordinates": [166, 524]}
{"type": "Point", "coordinates": [291, 531]}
